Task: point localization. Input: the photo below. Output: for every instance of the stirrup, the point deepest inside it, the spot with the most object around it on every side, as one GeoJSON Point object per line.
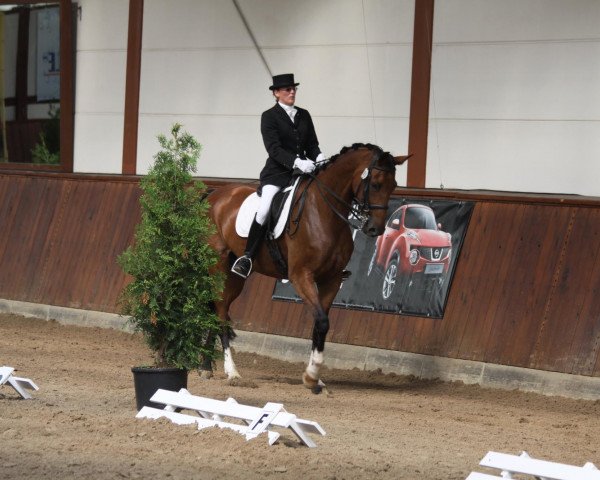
{"type": "Point", "coordinates": [242, 266]}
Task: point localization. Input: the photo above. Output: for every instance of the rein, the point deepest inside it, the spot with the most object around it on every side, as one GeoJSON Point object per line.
{"type": "Point", "coordinates": [359, 210]}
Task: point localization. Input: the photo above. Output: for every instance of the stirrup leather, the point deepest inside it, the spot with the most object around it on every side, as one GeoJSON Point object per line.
{"type": "Point", "coordinates": [242, 266]}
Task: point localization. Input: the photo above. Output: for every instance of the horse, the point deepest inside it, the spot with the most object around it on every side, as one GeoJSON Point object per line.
{"type": "Point", "coordinates": [317, 244]}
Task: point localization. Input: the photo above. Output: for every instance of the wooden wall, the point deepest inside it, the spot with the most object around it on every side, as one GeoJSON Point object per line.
{"type": "Point", "coordinates": [60, 237]}
{"type": "Point", "coordinates": [526, 291]}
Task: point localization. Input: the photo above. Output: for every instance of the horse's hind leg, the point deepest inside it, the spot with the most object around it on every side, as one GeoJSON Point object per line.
{"type": "Point", "coordinates": [206, 367]}
{"type": "Point", "coordinates": [233, 287]}
{"type": "Point", "coordinates": [226, 335]}
{"type": "Point", "coordinates": [228, 364]}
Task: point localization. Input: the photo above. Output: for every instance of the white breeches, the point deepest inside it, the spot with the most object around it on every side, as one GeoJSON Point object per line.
{"type": "Point", "coordinates": [268, 192]}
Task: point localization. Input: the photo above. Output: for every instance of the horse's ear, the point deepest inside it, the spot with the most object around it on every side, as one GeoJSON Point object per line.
{"type": "Point", "coordinates": [402, 158]}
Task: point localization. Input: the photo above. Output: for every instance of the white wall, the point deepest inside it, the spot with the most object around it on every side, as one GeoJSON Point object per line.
{"type": "Point", "coordinates": [515, 101]}
{"type": "Point", "coordinates": [200, 68]}
{"type": "Point", "coordinates": [100, 86]}
{"type": "Point", "coordinates": [514, 106]}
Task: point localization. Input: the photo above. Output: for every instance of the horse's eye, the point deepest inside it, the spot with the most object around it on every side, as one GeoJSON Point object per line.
{"type": "Point", "coordinates": [376, 186]}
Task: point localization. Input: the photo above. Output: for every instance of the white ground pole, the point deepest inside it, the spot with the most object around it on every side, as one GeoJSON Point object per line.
{"type": "Point", "coordinates": [523, 464]}
{"type": "Point", "coordinates": [20, 384]}
{"type": "Point", "coordinates": [212, 413]}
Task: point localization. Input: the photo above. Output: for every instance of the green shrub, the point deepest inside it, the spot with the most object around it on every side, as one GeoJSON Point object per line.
{"type": "Point", "coordinates": [170, 299]}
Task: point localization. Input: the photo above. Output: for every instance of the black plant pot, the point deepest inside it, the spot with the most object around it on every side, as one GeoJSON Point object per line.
{"type": "Point", "coordinates": [149, 379]}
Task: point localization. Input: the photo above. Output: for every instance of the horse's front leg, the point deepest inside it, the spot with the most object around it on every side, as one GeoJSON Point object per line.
{"type": "Point", "coordinates": [319, 300]}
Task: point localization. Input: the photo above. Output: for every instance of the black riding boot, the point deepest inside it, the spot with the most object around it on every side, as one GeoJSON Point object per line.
{"type": "Point", "coordinates": [243, 265]}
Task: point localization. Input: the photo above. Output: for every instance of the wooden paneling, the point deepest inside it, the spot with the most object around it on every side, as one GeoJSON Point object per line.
{"type": "Point", "coordinates": [526, 290]}
{"type": "Point", "coordinates": [60, 239]}
{"type": "Point", "coordinates": [572, 323]}
{"type": "Point", "coordinates": [525, 293]}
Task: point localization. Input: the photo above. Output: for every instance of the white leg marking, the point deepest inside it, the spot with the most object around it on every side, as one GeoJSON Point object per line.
{"type": "Point", "coordinates": [314, 364]}
{"type": "Point", "coordinates": [228, 365]}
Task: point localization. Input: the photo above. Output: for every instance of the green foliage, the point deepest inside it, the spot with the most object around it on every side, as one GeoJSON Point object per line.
{"type": "Point", "coordinates": [174, 283]}
{"type": "Point", "coordinates": [47, 150]}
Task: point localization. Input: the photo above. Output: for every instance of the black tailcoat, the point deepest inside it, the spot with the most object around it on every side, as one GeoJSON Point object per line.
{"type": "Point", "coordinates": [284, 142]}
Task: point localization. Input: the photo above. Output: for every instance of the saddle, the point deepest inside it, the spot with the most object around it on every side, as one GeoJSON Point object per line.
{"type": "Point", "coordinates": [278, 216]}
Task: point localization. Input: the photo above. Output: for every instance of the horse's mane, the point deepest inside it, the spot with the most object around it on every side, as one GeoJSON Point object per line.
{"type": "Point", "coordinates": [377, 151]}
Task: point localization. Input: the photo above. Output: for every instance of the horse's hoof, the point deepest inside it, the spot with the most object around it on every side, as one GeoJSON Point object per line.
{"type": "Point", "coordinates": [205, 374]}
{"type": "Point", "coordinates": [240, 382]}
{"type": "Point", "coordinates": [315, 386]}
{"type": "Point", "coordinates": [234, 379]}
{"type": "Point", "coordinates": [312, 384]}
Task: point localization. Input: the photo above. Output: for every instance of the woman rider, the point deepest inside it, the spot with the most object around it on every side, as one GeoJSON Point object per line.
{"type": "Point", "coordinates": [291, 142]}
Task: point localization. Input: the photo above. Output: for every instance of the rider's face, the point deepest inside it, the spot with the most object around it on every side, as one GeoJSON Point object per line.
{"type": "Point", "coordinates": [286, 95]}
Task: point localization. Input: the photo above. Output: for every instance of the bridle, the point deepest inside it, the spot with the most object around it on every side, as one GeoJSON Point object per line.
{"type": "Point", "coordinates": [359, 210]}
{"type": "Point", "coordinates": [366, 205]}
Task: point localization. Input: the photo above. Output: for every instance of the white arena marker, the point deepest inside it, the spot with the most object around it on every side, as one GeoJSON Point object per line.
{"type": "Point", "coordinates": [212, 412]}
{"type": "Point", "coordinates": [18, 383]}
{"type": "Point", "coordinates": [523, 464]}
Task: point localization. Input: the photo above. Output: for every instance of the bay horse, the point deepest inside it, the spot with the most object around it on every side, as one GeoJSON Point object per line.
{"type": "Point", "coordinates": [316, 247]}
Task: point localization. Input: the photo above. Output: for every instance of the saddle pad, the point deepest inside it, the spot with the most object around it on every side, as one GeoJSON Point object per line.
{"type": "Point", "coordinates": [248, 210]}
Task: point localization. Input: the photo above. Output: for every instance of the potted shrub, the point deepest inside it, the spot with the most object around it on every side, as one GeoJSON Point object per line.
{"type": "Point", "coordinates": [170, 299]}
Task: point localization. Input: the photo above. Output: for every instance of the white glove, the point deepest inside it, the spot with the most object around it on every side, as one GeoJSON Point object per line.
{"type": "Point", "coordinates": [305, 166]}
{"type": "Point", "coordinates": [320, 158]}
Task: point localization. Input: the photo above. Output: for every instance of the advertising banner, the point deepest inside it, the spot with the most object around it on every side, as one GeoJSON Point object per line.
{"type": "Point", "coordinates": [408, 269]}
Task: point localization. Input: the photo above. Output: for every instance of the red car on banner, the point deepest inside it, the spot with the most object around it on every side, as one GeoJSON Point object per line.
{"type": "Point", "coordinates": [413, 250]}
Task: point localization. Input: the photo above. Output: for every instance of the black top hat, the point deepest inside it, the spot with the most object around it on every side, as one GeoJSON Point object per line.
{"type": "Point", "coordinates": [282, 81]}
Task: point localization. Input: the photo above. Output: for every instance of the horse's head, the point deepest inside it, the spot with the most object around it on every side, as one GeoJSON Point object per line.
{"type": "Point", "coordinates": [373, 186]}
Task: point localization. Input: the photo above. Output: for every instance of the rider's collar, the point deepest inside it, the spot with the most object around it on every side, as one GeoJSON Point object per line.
{"type": "Point", "coordinates": [288, 108]}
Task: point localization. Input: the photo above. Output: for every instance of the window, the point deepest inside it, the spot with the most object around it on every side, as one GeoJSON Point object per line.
{"type": "Point", "coordinates": [37, 102]}
{"type": "Point", "coordinates": [394, 220]}
{"type": "Point", "coordinates": [419, 218]}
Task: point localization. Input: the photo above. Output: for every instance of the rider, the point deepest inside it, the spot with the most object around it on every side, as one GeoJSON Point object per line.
{"type": "Point", "coordinates": [291, 142]}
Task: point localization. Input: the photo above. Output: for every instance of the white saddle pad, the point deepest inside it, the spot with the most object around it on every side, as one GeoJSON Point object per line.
{"type": "Point", "coordinates": [248, 210]}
